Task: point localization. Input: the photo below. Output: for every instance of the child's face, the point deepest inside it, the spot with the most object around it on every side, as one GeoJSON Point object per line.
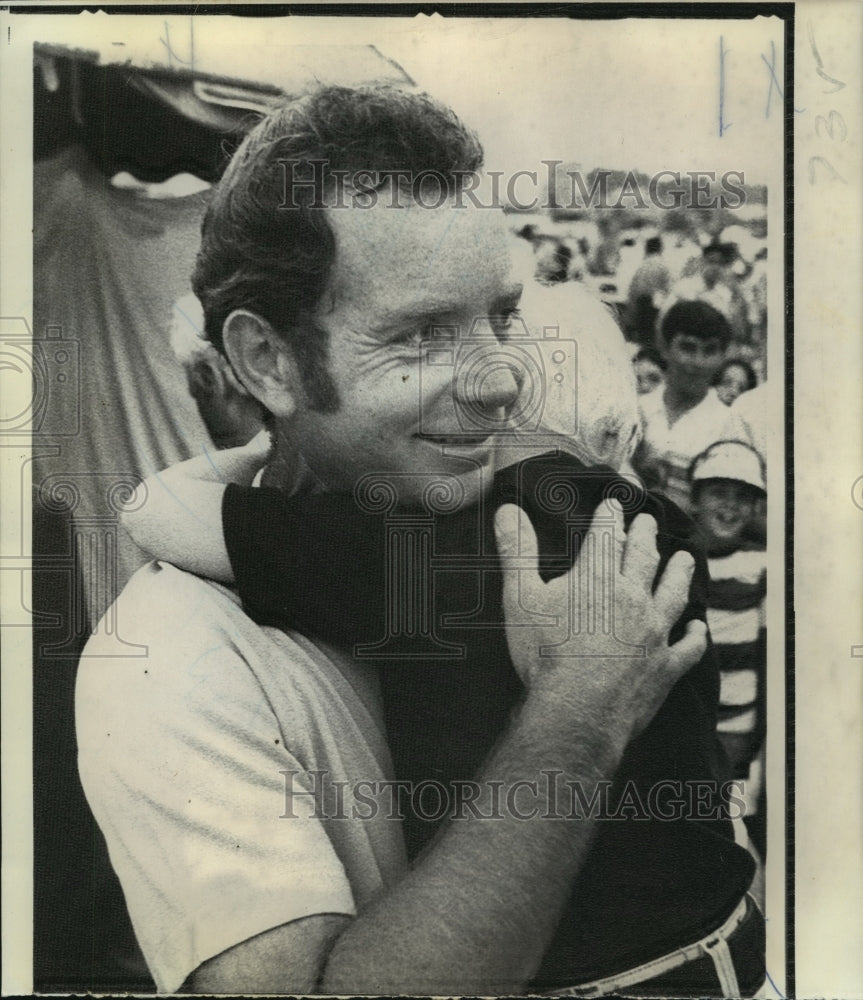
{"type": "Point", "coordinates": [733, 382]}
{"type": "Point", "coordinates": [648, 375]}
{"type": "Point", "coordinates": [693, 361]}
{"type": "Point", "coordinates": [723, 509]}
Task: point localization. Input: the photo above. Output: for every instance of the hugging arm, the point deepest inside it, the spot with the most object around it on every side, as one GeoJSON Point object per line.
{"type": "Point", "coordinates": [476, 912]}
{"type": "Point", "coordinates": [180, 519]}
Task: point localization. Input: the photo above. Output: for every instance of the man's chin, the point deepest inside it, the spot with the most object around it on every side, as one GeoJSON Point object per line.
{"type": "Point", "coordinates": [474, 484]}
{"type": "Point", "coordinates": [437, 492]}
{"type": "Point", "coordinates": [519, 445]}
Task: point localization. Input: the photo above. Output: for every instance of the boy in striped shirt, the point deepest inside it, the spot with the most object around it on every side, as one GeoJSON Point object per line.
{"type": "Point", "coordinates": [727, 479]}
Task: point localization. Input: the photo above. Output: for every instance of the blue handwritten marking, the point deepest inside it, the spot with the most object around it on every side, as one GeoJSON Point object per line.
{"type": "Point", "coordinates": [774, 83]}
{"type": "Point", "coordinates": [195, 513]}
{"type": "Point", "coordinates": [196, 669]}
{"type": "Point", "coordinates": [172, 55]}
{"type": "Point", "coordinates": [775, 987]}
{"type": "Point", "coordinates": [190, 321]}
{"type": "Point", "coordinates": [210, 460]}
{"type": "Point", "coordinates": [158, 477]}
{"type": "Point", "coordinates": [723, 127]}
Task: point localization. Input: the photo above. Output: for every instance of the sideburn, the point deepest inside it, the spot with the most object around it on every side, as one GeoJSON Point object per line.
{"type": "Point", "coordinates": [311, 349]}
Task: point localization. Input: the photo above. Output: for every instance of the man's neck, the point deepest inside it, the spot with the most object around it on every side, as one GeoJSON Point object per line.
{"type": "Point", "coordinates": [287, 470]}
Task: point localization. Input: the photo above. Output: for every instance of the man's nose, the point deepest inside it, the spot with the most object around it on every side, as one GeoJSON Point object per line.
{"type": "Point", "coordinates": [491, 377]}
{"type": "Point", "coordinates": [495, 386]}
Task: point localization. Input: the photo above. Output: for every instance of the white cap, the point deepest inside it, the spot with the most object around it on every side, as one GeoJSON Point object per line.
{"type": "Point", "coordinates": [730, 460]}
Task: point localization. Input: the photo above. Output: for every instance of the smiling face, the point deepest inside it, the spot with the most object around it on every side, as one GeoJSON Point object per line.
{"type": "Point", "coordinates": [722, 510]}
{"type": "Point", "coordinates": [400, 274]}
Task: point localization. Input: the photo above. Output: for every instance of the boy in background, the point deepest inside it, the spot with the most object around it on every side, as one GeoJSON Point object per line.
{"type": "Point", "coordinates": [727, 483]}
{"type": "Point", "coordinates": [683, 416]}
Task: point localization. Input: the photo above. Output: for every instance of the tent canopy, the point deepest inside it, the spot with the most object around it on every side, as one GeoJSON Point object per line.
{"type": "Point", "coordinates": [211, 85]}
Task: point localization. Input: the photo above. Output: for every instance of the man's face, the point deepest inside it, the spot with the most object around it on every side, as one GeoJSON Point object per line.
{"type": "Point", "coordinates": [693, 361]}
{"type": "Point", "coordinates": [400, 274]}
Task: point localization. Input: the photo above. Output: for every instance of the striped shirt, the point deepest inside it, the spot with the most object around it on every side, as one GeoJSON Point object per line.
{"type": "Point", "coordinates": [735, 614]}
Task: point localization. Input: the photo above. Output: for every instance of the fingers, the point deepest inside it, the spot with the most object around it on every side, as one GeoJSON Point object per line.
{"type": "Point", "coordinates": [516, 539]}
{"type": "Point", "coordinates": [635, 552]}
{"type": "Point", "coordinates": [618, 530]}
{"type": "Point", "coordinates": [519, 552]}
{"type": "Point", "coordinates": [260, 445]}
{"type": "Point", "coordinates": [640, 556]}
{"type": "Point", "coordinates": [672, 594]}
{"type": "Point", "coordinates": [686, 652]}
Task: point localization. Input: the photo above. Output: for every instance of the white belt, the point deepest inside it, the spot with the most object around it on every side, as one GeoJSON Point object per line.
{"type": "Point", "coordinates": [714, 946]}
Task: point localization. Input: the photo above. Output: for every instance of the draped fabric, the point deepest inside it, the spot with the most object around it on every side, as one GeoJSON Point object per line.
{"type": "Point", "coordinates": [108, 266]}
{"type": "Point", "coordinates": [110, 406]}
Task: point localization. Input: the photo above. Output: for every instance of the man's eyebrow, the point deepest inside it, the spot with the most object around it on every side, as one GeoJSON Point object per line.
{"type": "Point", "coordinates": [429, 309]}
{"type": "Point", "coordinates": [414, 312]}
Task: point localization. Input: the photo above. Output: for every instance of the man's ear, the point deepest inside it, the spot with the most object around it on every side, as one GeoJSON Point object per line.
{"type": "Point", "coordinates": [262, 361]}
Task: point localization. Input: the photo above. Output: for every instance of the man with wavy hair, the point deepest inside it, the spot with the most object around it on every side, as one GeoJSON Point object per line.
{"type": "Point", "coordinates": [226, 772]}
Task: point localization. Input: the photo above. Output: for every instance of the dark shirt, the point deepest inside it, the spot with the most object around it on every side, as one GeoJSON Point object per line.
{"type": "Point", "coordinates": [434, 622]}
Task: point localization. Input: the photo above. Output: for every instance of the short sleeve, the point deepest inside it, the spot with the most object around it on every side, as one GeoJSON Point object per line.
{"type": "Point", "coordinates": [187, 771]}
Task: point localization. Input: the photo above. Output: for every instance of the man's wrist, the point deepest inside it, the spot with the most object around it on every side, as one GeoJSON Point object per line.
{"type": "Point", "coordinates": [576, 735]}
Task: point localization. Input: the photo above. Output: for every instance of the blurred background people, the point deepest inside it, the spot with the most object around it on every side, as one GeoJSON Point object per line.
{"type": "Point", "coordinates": [715, 278]}
{"type": "Point", "coordinates": [553, 258]}
{"type": "Point", "coordinates": [649, 367]}
{"type": "Point", "coordinates": [648, 288]}
{"type": "Point", "coordinates": [685, 415]}
{"type": "Point", "coordinates": [735, 377]}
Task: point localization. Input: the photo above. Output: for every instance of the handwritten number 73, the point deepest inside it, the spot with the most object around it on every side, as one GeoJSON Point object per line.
{"type": "Point", "coordinates": [833, 125]}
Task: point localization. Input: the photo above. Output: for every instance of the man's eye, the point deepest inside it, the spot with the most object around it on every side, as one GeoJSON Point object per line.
{"type": "Point", "coordinates": [419, 341]}
{"type": "Point", "coordinates": [411, 338]}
